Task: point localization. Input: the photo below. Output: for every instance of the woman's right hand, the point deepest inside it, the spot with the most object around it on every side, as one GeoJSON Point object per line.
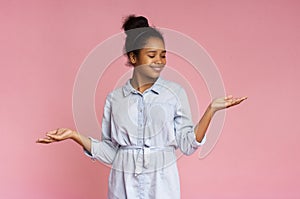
{"type": "Point", "coordinates": [57, 135]}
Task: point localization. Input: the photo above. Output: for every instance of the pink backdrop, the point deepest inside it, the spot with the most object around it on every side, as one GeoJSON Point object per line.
{"type": "Point", "coordinates": [255, 45]}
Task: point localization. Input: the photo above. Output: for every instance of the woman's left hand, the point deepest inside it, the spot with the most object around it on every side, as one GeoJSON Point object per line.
{"type": "Point", "coordinates": [225, 102]}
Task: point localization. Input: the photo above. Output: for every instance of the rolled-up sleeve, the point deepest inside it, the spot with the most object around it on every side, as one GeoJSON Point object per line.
{"type": "Point", "coordinates": [184, 127]}
{"type": "Point", "coordinates": [106, 149]}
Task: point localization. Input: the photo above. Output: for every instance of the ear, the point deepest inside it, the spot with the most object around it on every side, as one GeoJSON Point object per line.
{"type": "Point", "coordinates": [132, 58]}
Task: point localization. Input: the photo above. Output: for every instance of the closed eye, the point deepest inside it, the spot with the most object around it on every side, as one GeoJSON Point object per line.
{"type": "Point", "coordinates": [152, 54]}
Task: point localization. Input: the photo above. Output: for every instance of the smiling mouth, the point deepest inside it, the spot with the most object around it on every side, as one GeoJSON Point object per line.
{"type": "Point", "coordinates": [157, 68]}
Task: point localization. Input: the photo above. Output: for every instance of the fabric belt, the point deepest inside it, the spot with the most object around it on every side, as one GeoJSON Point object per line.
{"type": "Point", "coordinates": [143, 156]}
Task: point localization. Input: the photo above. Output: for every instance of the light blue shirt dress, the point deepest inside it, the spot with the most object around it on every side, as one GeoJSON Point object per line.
{"type": "Point", "coordinates": [140, 133]}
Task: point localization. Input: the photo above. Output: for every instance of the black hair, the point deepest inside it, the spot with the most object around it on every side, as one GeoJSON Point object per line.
{"type": "Point", "coordinates": [138, 31]}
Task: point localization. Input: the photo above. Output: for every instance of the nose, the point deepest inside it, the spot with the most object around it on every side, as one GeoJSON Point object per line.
{"type": "Point", "coordinates": [158, 60]}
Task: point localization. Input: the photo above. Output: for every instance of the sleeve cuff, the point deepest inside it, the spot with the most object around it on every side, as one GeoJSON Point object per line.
{"type": "Point", "coordinates": [196, 143]}
{"type": "Point", "coordinates": [91, 154]}
{"type": "Point", "coordinates": [200, 143]}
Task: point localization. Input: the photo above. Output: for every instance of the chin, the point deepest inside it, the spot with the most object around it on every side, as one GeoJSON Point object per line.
{"type": "Point", "coordinates": [155, 76]}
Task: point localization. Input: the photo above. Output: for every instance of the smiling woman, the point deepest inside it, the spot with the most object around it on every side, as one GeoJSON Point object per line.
{"type": "Point", "coordinates": [144, 122]}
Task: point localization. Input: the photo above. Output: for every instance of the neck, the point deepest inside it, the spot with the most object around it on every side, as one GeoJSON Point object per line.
{"type": "Point", "coordinates": [141, 84]}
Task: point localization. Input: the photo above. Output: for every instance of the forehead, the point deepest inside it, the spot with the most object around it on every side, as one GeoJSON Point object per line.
{"type": "Point", "coordinates": [154, 43]}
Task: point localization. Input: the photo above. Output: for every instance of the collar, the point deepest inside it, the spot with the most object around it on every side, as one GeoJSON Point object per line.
{"type": "Point", "coordinates": [127, 88]}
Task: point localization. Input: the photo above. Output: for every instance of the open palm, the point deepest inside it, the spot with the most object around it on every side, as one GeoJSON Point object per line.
{"type": "Point", "coordinates": [56, 135]}
{"type": "Point", "coordinates": [226, 102]}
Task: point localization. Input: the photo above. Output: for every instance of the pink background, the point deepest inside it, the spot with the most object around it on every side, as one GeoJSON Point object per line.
{"type": "Point", "coordinates": [255, 45]}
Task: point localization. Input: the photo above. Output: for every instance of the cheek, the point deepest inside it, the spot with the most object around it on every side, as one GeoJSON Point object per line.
{"type": "Point", "coordinates": [144, 60]}
{"type": "Point", "coordinates": [147, 61]}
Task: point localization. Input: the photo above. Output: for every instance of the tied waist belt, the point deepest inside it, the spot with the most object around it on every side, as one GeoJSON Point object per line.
{"type": "Point", "coordinates": [143, 158]}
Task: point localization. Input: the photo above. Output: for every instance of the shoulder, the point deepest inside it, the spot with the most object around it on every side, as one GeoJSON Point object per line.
{"type": "Point", "coordinates": [116, 93]}
{"type": "Point", "coordinates": [170, 85]}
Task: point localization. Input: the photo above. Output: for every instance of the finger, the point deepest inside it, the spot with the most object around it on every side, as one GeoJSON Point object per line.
{"type": "Point", "coordinates": [228, 104]}
{"type": "Point", "coordinates": [228, 97]}
{"type": "Point", "coordinates": [234, 101]}
{"type": "Point", "coordinates": [241, 99]}
{"type": "Point", "coordinates": [44, 141]}
{"type": "Point", "coordinates": [60, 130]}
{"type": "Point", "coordinates": [244, 98]}
{"type": "Point", "coordinates": [56, 137]}
{"type": "Point", "coordinates": [53, 132]}
{"type": "Point", "coordinates": [53, 136]}
{"type": "Point", "coordinates": [237, 101]}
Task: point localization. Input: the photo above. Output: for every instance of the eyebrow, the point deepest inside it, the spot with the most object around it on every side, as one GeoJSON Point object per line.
{"type": "Point", "coordinates": [154, 51]}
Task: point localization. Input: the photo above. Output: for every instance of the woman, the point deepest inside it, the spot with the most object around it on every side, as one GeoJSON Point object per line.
{"type": "Point", "coordinates": [144, 122]}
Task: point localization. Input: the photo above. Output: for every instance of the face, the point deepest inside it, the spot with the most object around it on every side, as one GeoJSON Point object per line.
{"type": "Point", "coordinates": [151, 59]}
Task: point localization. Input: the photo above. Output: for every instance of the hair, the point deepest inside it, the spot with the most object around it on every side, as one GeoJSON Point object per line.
{"type": "Point", "coordinates": [138, 32]}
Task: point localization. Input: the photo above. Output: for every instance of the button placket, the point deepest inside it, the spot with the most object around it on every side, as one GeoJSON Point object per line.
{"type": "Point", "coordinates": [140, 121]}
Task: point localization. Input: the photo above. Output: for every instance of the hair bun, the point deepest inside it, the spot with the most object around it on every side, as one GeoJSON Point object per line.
{"type": "Point", "coordinates": [132, 22]}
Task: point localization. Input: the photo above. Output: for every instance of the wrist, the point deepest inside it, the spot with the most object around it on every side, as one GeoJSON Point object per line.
{"type": "Point", "coordinates": [210, 109]}
{"type": "Point", "coordinates": [74, 136]}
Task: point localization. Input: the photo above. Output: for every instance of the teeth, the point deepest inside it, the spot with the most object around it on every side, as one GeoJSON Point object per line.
{"type": "Point", "coordinates": [157, 68]}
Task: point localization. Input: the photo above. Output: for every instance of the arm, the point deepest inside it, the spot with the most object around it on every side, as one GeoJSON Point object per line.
{"type": "Point", "coordinates": [203, 124]}
{"type": "Point", "coordinates": [215, 105]}
{"type": "Point", "coordinates": [184, 126]}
